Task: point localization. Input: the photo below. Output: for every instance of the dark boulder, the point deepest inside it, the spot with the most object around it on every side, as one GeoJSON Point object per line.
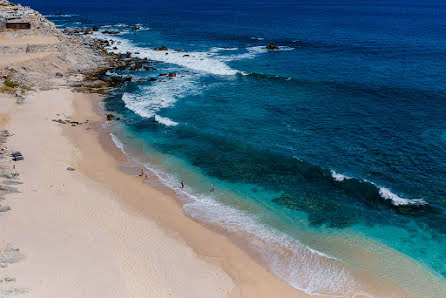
{"type": "Point", "coordinates": [172, 74]}
{"type": "Point", "coordinates": [162, 48]}
{"type": "Point", "coordinates": [111, 32]}
{"type": "Point", "coordinates": [110, 117]}
{"type": "Point", "coordinates": [272, 47]}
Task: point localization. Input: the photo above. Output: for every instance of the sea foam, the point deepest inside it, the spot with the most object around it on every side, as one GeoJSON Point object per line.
{"type": "Point", "coordinates": [338, 177]}
{"type": "Point", "coordinates": [198, 61]}
{"type": "Point", "coordinates": [166, 121]}
{"type": "Point", "coordinates": [397, 200]}
{"type": "Point", "coordinates": [384, 192]}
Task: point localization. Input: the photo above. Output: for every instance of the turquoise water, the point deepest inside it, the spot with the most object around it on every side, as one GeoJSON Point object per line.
{"type": "Point", "coordinates": [333, 147]}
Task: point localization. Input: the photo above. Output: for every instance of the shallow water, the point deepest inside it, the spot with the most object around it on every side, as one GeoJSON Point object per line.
{"type": "Point", "coordinates": [337, 142]}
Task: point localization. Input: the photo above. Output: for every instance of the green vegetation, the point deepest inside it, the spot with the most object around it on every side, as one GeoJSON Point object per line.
{"type": "Point", "coordinates": [11, 86]}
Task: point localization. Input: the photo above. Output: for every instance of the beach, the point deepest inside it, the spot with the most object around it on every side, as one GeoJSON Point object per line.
{"type": "Point", "coordinates": [98, 232]}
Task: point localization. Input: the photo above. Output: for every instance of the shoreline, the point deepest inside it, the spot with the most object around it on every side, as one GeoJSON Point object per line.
{"type": "Point", "coordinates": [250, 277]}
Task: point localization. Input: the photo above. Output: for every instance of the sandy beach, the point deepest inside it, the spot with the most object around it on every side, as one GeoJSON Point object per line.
{"type": "Point", "coordinates": [98, 232]}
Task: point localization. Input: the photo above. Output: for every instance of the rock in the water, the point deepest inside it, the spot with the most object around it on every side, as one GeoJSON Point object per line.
{"type": "Point", "coordinates": [110, 117]}
{"type": "Point", "coordinates": [172, 74]}
{"type": "Point", "coordinates": [95, 28]}
{"type": "Point", "coordinates": [152, 80]}
{"type": "Point", "coordinates": [136, 28]}
{"type": "Point", "coordinates": [272, 47]}
{"type": "Point", "coordinates": [70, 169]}
{"type": "Point", "coordinates": [162, 48]}
{"type": "Point", "coordinates": [111, 32]}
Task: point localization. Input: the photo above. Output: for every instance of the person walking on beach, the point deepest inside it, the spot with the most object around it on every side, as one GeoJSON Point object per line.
{"type": "Point", "coordinates": [142, 172]}
{"type": "Point", "coordinates": [182, 184]}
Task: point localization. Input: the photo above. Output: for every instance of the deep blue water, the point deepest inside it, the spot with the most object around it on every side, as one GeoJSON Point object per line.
{"type": "Point", "coordinates": [358, 88]}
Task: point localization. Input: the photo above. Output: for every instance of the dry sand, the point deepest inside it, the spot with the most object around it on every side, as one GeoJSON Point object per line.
{"type": "Point", "coordinates": [98, 232]}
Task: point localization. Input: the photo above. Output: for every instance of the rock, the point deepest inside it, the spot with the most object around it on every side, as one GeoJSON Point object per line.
{"type": "Point", "coordinates": [95, 28]}
{"type": "Point", "coordinates": [115, 48]}
{"type": "Point", "coordinates": [162, 74]}
{"type": "Point", "coordinates": [152, 80]}
{"type": "Point", "coordinates": [4, 208]}
{"type": "Point", "coordinates": [172, 74]}
{"type": "Point", "coordinates": [111, 32]}
{"type": "Point", "coordinates": [69, 30]}
{"type": "Point", "coordinates": [272, 47]}
{"type": "Point", "coordinates": [9, 279]}
{"type": "Point", "coordinates": [110, 117]}
{"type": "Point", "coordinates": [162, 48]}
{"type": "Point", "coordinates": [117, 119]}
{"type": "Point", "coordinates": [186, 55]}
{"type": "Point", "coordinates": [70, 169]}
{"type": "Point", "coordinates": [179, 50]}
{"type": "Point", "coordinates": [59, 75]}
{"type": "Point", "coordinates": [136, 28]}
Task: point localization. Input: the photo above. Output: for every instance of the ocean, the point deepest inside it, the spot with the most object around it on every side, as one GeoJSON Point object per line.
{"type": "Point", "coordinates": [331, 149]}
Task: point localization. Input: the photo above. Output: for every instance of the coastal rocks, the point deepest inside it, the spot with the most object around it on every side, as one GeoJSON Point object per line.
{"type": "Point", "coordinates": [111, 32]}
{"type": "Point", "coordinates": [152, 80]}
{"type": "Point", "coordinates": [95, 28]}
{"type": "Point", "coordinates": [59, 75]}
{"type": "Point", "coordinates": [136, 28]}
{"type": "Point", "coordinates": [272, 47]}
{"type": "Point", "coordinates": [172, 74]}
{"type": "Point", "coordinates": [71, 169]}
{"type": "Point", "coordinates": [4, 208]}
{"type": "Point", "coordinates": [162, 48]}
{"type": "Point", "coordinates": [110, 117]}
{"type": "Point", "coordinates": [10, 254]}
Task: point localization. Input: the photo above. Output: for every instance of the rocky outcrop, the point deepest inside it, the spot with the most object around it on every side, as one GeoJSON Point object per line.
{"type": "Point", "coordinates": [272, 47]}
{"type": "Point", "coordinates": [162, 48]}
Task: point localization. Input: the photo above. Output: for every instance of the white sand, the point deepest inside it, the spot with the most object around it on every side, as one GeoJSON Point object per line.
{"type": "Point", "coordinates": [76, 239]}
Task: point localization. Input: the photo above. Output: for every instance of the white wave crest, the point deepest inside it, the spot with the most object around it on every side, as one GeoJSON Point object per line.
{"type": "Point", "coordinates": [198, 61]}
{"type": "Point", "coordinates": [166, 121]}
{"type": "Point", "coordinates": [397, 200]}
{"type": "Point", "coordinates": [159, 95]}
{"type": "Point", "coordinates": [339, 177]}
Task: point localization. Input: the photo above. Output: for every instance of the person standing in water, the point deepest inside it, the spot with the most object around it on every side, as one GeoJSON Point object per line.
{"type": "Point", "coordinates": [213, 187]}
{"type": "Point", "coordinates": [182, 184]}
